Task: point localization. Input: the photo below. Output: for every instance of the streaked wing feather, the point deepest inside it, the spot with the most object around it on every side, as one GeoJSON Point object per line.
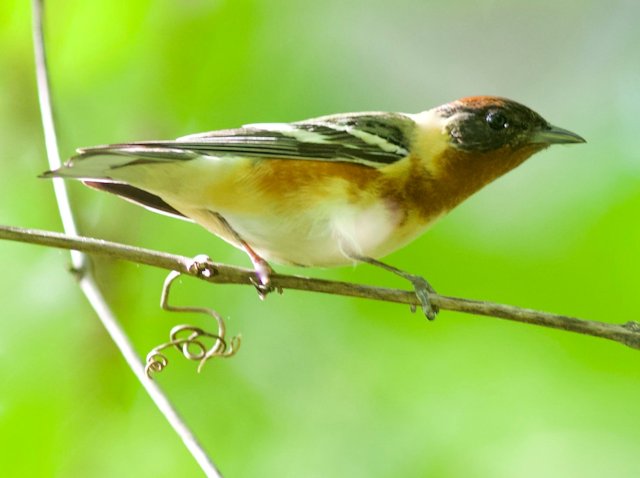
{"type": "Point", "coordinates": [152, 150]}
{"type": "Point", "coordinates": [374, 139]}
{"type": "Point", "coordinates": [371, 139]}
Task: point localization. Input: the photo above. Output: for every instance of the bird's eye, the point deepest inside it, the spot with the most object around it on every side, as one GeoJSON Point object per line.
{"type": "Point", "coordinates": [497, 120]}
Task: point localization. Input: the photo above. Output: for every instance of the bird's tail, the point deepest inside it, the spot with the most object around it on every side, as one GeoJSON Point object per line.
{"type": "Point", "coordinates": [109, 163]}
{"type": "Point", "coordinates": [119, 169]}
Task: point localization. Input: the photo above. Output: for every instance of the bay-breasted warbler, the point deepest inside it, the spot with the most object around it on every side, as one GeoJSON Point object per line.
{"type": "Point", "coordinates": [326, 191]}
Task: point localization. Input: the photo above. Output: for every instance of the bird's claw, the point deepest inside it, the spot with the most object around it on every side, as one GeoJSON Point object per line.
{"type": "Point", "coordinates": [262, 279]}
{"type": "Point", "coordinates": [423, 291]}
{"type": "Point", "coordinates": [263, 289]}
{"type": "Point", "coordinates": [201, 266]}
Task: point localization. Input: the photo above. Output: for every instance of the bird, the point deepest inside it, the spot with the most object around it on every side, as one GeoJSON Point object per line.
{"type": "Point", "coordinates": [327, 191]}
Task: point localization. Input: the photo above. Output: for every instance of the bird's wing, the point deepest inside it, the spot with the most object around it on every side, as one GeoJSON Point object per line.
{"type": "Point", "coordinates": [372, 139]}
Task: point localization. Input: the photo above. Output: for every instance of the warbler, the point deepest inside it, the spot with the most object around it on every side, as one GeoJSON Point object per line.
{"type": "Point", "coordinates": [326, 191]}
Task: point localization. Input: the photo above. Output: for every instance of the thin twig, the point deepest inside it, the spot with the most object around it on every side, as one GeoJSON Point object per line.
{"type": "Point", "coordinates": [81, 263]}
{"type": "Point", "coordinates": [627, 334]}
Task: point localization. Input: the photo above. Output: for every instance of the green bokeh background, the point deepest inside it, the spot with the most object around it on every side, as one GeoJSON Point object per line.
{"type": "Point", "coordinates": [330, 386]}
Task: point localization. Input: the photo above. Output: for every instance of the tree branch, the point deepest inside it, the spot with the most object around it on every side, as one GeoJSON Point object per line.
{"type": "Point", "coordinates": [627, 334]}
{"type": "Point", "coordinates": [81, 265]}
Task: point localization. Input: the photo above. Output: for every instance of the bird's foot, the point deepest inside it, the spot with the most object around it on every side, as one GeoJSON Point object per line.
{"type": "Point", "coordinates": [262, 279]}
{"type": "Point", "coordinates": [201, 265]}
{"type": "Point", "coordinates": [421, 286]}
{"type": "Point", "coordinates": [423, 291]}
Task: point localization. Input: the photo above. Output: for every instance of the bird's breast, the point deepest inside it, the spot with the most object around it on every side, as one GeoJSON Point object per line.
{"type": "Point", "coordinates": [308, 213]}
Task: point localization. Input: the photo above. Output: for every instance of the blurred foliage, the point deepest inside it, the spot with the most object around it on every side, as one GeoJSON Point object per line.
{"type": "Point", "coordinates": [330, 386]}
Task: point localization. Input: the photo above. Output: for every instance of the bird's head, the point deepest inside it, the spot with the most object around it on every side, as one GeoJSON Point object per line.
{"type": "Point", "coordinates": [481, 124]}
{"type": "Point", "coordinates": [475, 140]}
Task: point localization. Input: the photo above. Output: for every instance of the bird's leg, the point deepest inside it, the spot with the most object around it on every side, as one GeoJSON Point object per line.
{"type": "Point", "coordinates": [422, 288]}
{"type": "Point", "coordinates": [261, 266]}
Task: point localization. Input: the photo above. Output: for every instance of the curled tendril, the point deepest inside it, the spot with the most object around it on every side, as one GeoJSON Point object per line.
{"type": "Point", "coordinates": [188, 339]}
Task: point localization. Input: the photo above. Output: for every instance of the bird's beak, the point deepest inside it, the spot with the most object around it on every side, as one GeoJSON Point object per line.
{"type": "Point", "coordinates": [554, 135]}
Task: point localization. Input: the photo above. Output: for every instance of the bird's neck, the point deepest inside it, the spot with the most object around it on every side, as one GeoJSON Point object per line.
{"type": "Point", "coordinates": [460, 174]}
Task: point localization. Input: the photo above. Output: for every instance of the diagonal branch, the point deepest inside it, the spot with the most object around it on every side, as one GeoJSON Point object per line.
{"type": "Point", "coordinates": [627, 334]}
{"type": "Point", "coordinates": [81, 264]}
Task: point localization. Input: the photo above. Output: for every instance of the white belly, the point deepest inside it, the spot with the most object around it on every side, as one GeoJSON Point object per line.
{"type": "Point", "coordinates": [323, 236]}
